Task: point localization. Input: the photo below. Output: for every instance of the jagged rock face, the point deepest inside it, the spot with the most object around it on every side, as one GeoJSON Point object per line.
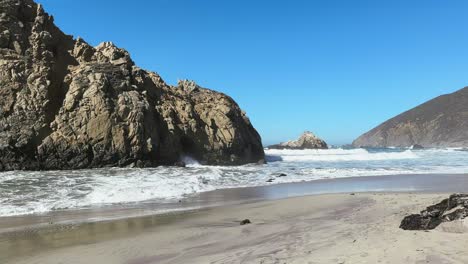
{"type": "Point", "coordinates": [307, 141]}
{"type": "Point", "coordinates": [451, 209]}
{"type": "Point", "coordinates": [67, 105]}
{"type": "Point", "coordinates": [441, 122]}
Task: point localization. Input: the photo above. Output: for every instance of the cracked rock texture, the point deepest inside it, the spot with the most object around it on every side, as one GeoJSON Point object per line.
{"type": "Point", "coordinates": [451, 209]}
{"type": "Point", "coordinates": [67, 105]}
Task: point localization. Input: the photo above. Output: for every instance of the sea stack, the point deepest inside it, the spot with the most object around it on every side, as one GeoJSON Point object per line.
{"type": "Point", "coordinates": [440, 122]}
{"type": "Point", "coordinates": [68, 105]}
{"type": "Point", "coordinates": [306, 141]}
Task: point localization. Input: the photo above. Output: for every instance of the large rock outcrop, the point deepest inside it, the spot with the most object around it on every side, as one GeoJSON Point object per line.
{"type": "Point", "coordinates": [306, 141]}
{"type": "Point", "coordinates": [451, 209]}
{"type": "Point", "coordinates": [67, 105]}
{"type": "Point", "coordinates": [441, 122]}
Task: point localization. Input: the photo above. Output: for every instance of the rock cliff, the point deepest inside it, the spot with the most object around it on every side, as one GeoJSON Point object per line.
{"type": "Point", "coordinates": [441, 122]}
{"type": "Point", "coordinates": [67, 105]}
{"type": "Point", "coordinates": [306, 141]}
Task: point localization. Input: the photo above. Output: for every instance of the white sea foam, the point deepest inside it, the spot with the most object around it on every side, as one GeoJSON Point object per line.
{"type": "Point", "coordinates": [40, 192]}
{"type": "Point", "coordinates": [336, 155]}
{"type": "Point", "coordinates": [145, 184]}
{"type": "Point", "coordinates": [190, 162]}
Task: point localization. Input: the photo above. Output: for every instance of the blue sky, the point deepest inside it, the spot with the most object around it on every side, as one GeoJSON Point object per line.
{"type": "Point", "coordinates": [337, 68]}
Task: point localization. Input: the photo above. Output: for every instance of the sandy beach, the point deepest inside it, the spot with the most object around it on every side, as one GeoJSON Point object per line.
{"type": "Point", "coordinates": [213, 132]}
{"type": "Point", "coordinates": [333, 228]}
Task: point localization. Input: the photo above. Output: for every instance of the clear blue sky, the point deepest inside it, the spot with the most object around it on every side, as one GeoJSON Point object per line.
{"type": "Point", "coordinates": [337, 68]}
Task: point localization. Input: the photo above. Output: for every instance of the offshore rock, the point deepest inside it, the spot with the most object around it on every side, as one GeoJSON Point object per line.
{"type": "Point", "coordinates": [68, 105]}
{"type": "Point", "coordinates": [306, 141]}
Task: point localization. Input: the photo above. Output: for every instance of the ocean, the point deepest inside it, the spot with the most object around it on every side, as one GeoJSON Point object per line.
{"type": "Point", "coordinates": [25, 192]}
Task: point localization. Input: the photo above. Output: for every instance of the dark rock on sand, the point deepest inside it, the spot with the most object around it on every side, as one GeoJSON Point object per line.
{"type": "Point", "coordinates": [453, 208]}
{"type": "Point", "coordinates": [307, 141]}
{"type": "Point", "coordinates": [245, 222]}
{"type": "Point", "coordinates": [67, 105]}
{"type": "Point", "coordinates": [441, 122]}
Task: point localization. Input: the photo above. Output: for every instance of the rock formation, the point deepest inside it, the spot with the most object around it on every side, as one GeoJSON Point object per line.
{"type": "Point", "coordinates": [307, 141]}
{"type": "Point", "coordinates": [441, 122]}
{"type": "Point", "coordinates": [67, 105]}
{"type": "Point", "coordinates": [453, 208]}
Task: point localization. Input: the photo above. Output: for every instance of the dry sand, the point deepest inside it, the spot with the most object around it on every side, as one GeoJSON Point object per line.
{"type": "Point", "coordinates": [338, 228]}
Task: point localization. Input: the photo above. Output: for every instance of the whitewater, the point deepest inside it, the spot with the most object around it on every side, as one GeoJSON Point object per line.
{"type": "Point", "coordinates": [26, 192]}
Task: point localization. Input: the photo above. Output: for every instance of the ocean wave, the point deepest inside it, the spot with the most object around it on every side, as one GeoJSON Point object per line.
{"type": "Point", "coordinates": [24, 192]}
{"type": "Point", "coordinates": [336, 155]}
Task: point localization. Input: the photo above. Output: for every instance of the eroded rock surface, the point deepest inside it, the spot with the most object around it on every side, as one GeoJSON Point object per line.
{"type": "Point", "coordinates": [453, 208]}
{"type": "Point", "coordinates": [306, 141]}
{"type": "Point", "coordinates": [68, 105]}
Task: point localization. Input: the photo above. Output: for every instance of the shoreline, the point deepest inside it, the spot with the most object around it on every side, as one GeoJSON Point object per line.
{"type": "Point", "coordinates": [29, 236]}
{"type": "Point", "coordinates": [420, 183]}
{"type": "Point", "coordinates": [327, 228]}
{"type": "Point", "coordinates": [67, 231]}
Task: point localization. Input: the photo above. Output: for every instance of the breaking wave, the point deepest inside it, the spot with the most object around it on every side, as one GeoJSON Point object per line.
{"type": "Point", "coordinates": [39, 192]}
{"type": "Point", "coordinates": [336, 155]}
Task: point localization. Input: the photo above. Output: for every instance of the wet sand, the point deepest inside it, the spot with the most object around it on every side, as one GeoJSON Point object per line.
{"type": "Point", "coordinates": [336, 228]}
{"type": "Point", "coordinates": [325, 228]}
{"type": "Point", "coordinates": [394, 183]}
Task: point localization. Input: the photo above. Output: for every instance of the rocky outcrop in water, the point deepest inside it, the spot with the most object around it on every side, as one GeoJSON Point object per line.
{"type": "Point", "coordinates": [441, 122]}
{"type": "Point", "coordinates": [451, 209]}
{"type": "Point", "coordinates": [68, 105]}
{"type": "Point", "coordinates": [306, 141]}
